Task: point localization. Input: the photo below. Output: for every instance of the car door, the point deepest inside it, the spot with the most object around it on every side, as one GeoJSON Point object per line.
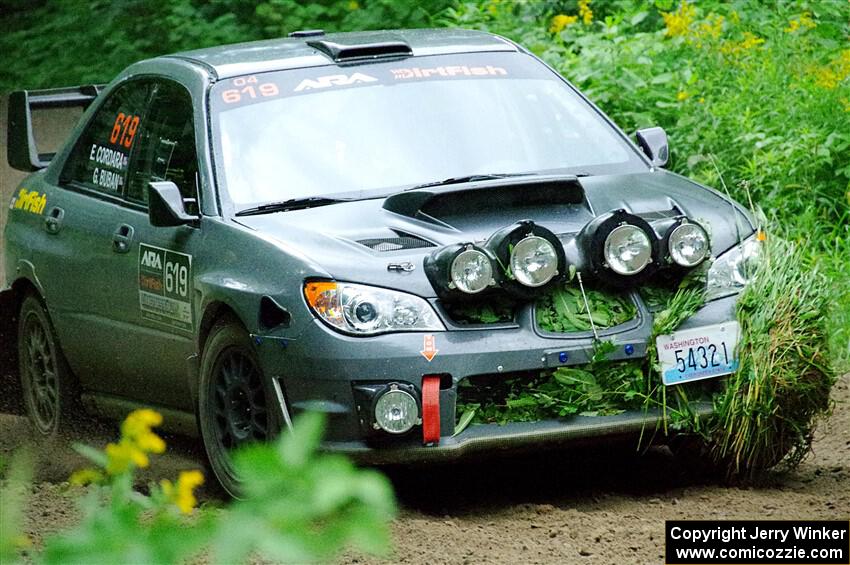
{"type": "Point", "coordinates": [153, 285]}
{"type": "Point", "coordinates": [74, 265]}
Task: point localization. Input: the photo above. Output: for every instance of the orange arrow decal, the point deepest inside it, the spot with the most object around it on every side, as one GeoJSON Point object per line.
{"type": "Point", "coordinates": [429, 347]}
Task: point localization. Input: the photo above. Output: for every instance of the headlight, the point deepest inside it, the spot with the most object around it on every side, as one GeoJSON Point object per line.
{"type": "Point", "coordinates": [733, 270]}
{"type": "Point", "coordinates": [396, 411]}
{"type": "Point", "coordinates": [534, 261]}
{"type": "Point", "coordinates": [471, 271]}
{"type": "Point", "coordinates": [688, 244]}
{"type": "Point", "coordinates": [627, 250]}
{"type": "Point", "coordinates": [367, 310]}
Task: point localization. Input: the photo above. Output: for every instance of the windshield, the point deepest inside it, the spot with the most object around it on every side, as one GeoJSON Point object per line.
{"type": "Point", "coordinates": [352, 131]}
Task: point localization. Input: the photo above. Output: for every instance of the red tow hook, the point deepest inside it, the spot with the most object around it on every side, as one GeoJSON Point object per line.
{"type": "Point", "coordinates": [431, 409]}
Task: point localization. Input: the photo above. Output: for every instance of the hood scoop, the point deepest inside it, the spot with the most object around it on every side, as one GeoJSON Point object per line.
{"type": "Point", "coordinates": [486, 196]}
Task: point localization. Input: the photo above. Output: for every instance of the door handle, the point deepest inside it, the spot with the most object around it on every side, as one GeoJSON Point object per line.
{"type": "Point", "coordinates": [53, 220]}
{"type": "Point", "coordinates": [122, 238]}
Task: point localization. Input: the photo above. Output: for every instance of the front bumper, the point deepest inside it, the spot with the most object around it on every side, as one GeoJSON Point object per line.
{"type": "Point", "coordinates": [316, 371]}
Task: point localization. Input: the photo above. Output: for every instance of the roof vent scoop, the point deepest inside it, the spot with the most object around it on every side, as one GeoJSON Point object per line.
{"type": "Point", "coordinates": [350, 52]}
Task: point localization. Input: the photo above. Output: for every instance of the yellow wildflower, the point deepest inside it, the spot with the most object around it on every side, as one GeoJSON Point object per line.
{"type": "Point", "coordinates": [181, 494]}
{"type": "Point", "coordinates": [679, 22]}
{"type": "Point", "coordinates": [682, 95]}
{"type": "Point", "coordinates": [123, 454]}
{"type": "Point", "coordinates": [804, 20]}
{"type": "Point", "coordinates": [702, 100]}
{"type": "Point", "coordinates": [585, 12]}
{"type": "Point", "coordinates": [830, 76]}
{"type": "Point", "coordinates": [750, 41]}
{"type": "Point", "coordinates": [845, 102]}
{"type": "Point", "coordinates": [561, 21]}
{"type": "Point", "coordinates": [137, 440]}
{"type": "Point", "coordinates": [493, 7]}
{"type": "Point", "coordinates": [137, 429]}
{"type": "Point", "coordinates": [353, 5]}
{"type": "Point", "coordinates": [85, 477]}
{"type": "Point", "coordinates": [711, 27]}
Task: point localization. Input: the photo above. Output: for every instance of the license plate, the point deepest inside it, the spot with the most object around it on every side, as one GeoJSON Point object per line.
{"type": "Point", "coordinates": [698, 353]}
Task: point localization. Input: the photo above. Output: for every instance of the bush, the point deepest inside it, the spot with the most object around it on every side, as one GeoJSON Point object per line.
{"type": "Point", "coordinates": [298, 505]}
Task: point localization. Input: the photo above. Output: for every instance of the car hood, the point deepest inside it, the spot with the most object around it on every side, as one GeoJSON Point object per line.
{"type": "Point", "coordinates": [383, 241]}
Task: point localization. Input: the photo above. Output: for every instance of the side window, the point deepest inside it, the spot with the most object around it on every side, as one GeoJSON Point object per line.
{"type": "Point", "coordinates": [166, 146]}
{"type": "Point", "coordinates": [100, 158]}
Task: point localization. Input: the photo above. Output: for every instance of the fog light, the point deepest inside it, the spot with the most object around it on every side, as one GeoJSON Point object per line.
{"type": "Point", "coordinates": [396, 411]}
{"type": "Point", "coordinates": [534, 261]}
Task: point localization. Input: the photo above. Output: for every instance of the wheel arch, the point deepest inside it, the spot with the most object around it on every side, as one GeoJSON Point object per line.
{"type": "Point", "coordinates": [213, 312]}
{"type": "Point", "coordinates": [10, 306]}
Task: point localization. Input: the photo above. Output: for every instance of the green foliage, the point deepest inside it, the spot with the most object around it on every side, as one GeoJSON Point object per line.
{"type": "Point", "coordinates": [562, 309]}
{"type": "Point", "coordinates": [602, 387]}
{"type": "Point", "coordinates": [492, 310]}
{"type": "Point", "coordinates": [298, 506]}
{"type": "Point", "coordinates": [301, 506]}
{"type": "Point", "coordinates": [781, 388]}
{"type": "Point", "coordinates": [112, 35]}
{"type": "Point", "coordinates": [15, 483]}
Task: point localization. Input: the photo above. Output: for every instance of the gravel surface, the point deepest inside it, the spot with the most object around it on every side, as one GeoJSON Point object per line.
{"type": "Point", "coordinates": [590, 505]}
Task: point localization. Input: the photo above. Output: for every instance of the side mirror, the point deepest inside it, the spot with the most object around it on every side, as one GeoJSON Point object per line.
{"type": "Point", "coordinates": [653, 142]}
{"type": "Point", "coordinates": [165, 205]}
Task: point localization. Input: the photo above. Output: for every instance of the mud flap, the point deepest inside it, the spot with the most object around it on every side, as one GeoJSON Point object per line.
{"type": "Point", "coordinates": [8, 334]}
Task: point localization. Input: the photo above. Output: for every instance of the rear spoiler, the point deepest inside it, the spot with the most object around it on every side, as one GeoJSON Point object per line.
{"type": "Point", "coordinates": [21, 150]}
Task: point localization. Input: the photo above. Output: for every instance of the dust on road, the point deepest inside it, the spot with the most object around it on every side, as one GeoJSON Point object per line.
{"type": "Point", "coordinates": [589, 505]}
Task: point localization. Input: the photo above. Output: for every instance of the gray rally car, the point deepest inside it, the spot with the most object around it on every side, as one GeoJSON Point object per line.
{"type": "Point", "coordinates": [237, 234]}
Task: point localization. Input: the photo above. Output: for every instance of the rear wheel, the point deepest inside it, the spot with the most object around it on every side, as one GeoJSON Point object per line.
{"type": "Point", "coordinates": [233, 407]}
{"type": "Point", "coordinates": [49, 389]}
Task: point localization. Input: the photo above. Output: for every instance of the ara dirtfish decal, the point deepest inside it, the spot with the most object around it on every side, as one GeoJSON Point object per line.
{"type": "Point", "coordinates": [29, 201]}
{"type": "Point", "coordinates": [165, 286]}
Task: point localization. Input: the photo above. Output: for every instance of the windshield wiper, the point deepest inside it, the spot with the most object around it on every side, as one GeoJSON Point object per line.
{"type": "Point", "coordinates": [469, 178]}
{"type": "Point", "coordinates": [291, 204]}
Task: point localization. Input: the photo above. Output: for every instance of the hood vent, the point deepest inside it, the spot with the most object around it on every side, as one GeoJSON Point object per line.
{"type": "Point", "coordinates": [660, 214]}
{"type": "Point", "coordinates": [403, 242]}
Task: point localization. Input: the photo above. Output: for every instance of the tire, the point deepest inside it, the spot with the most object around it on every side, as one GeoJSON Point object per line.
{"type": "Point", "coordinates": [50, 392]}
{"type": "Point", "coordinates": [233, 400]}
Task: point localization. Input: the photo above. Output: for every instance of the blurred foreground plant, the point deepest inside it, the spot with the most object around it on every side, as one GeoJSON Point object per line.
{"type": "Point", "coordinates": [298, 505]}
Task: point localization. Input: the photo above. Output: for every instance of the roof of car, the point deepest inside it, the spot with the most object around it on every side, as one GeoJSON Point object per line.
{"type": "Point", "coordinates": [295, 52]}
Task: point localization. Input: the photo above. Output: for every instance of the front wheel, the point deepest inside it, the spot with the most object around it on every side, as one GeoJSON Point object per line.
{"type": "Point", "coordinates": [232, 400]}
{"type": "Point", "coordinates": [49, 389]}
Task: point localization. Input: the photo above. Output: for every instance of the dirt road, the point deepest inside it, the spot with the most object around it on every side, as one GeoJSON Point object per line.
{"type": "Point", "coordinates": [589, 506]}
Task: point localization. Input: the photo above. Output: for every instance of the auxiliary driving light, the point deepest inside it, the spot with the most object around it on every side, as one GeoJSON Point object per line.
{"type": "Point", "coordinates": [460, 269]}
{"type": "Point", "coordinates": [534, 261]}
{"type": "Point", "coordinates": [688, 244]}
{"type": "Point", "coordinates": [396, 411]}
{"type": "Point", "coordinates": [471, 271]}
{"type": "Point", "coordinates": [617, 248]}
{"type": "Point", "coordinates": [529, 256]}
{"type": "Point", "coordinates": [628, 249]}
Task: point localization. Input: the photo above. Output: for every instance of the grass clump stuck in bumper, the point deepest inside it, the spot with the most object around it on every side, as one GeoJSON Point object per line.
{"type": "Point", "coordinates": [774, 400]}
